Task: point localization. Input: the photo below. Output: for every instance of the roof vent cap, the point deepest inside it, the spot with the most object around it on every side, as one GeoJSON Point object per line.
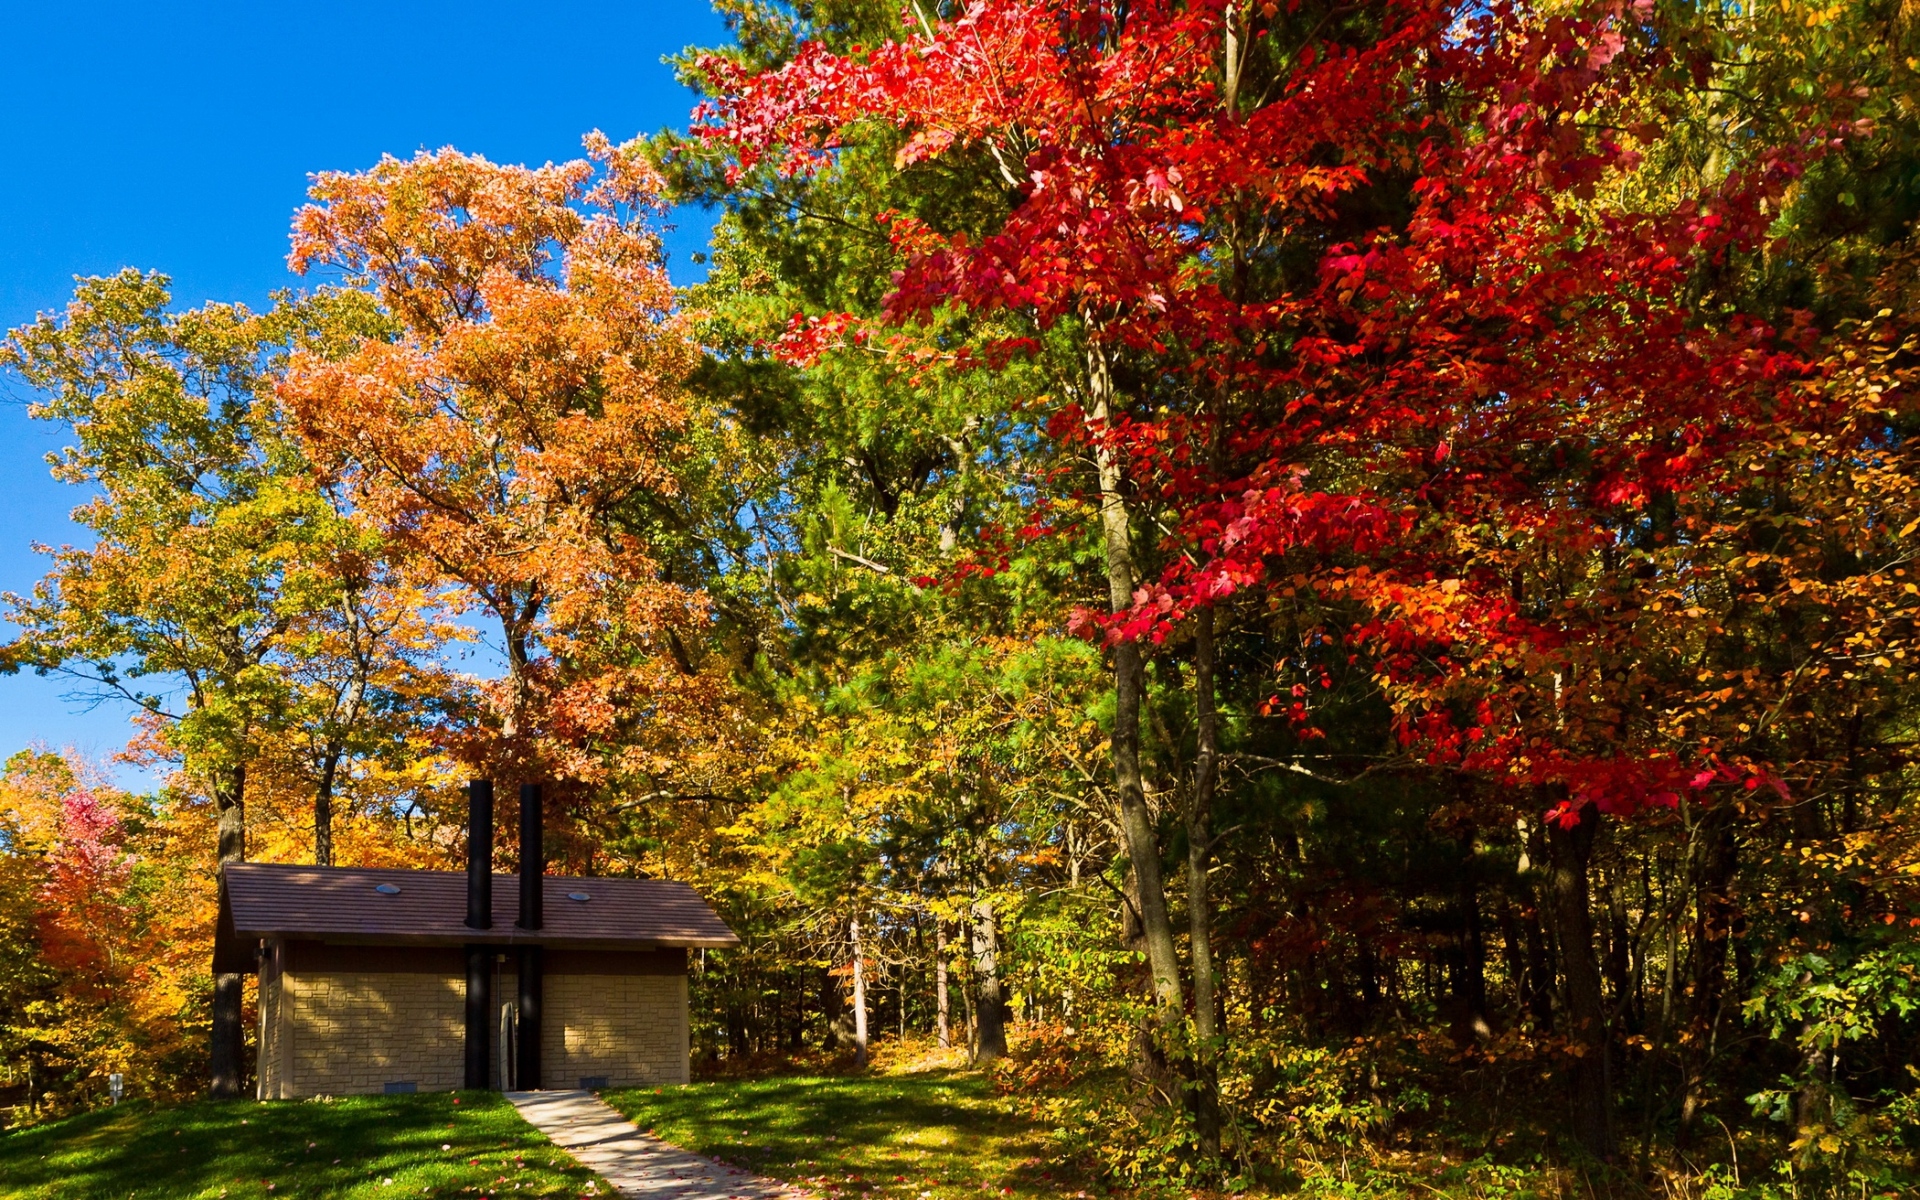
{"type": "Point", "coordinates": [388, 889]}
{"type": "Point", "coordinates": [580, 896]}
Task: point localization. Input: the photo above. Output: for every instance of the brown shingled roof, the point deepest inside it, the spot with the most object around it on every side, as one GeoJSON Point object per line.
{"type": "Point", "coordinates": [264, 900]}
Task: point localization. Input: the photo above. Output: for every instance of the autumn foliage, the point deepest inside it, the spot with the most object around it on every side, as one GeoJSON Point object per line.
{"type": "Point", "coordinates": [524, 405]}
{"type": "Point", "coordinates": [1344, 570]}
{"type": "Point", "coordinates": [1500, 382]}
{"type": "Point", "coordinates": [1406, 339]}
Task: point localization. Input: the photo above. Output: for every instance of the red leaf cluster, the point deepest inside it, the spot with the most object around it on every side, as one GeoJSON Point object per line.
{"type": "Point", "coordinates": [1462, 407]}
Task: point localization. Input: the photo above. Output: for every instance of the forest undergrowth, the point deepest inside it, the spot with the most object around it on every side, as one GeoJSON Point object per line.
{"type": "Point", "coordinates": [1042, 1122]}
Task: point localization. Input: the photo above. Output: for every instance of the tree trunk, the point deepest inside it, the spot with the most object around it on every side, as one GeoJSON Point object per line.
{"type": "Point", "coordinates": [940, 1001]}
{"type": "Point", "coordinates": [226, 1067]}
{"type": "Point", "coordinates": [1367, 971]}
{"type": "Point", "coordinates": [1539, 953]}
{"type": "Point", "coordinates": [1199, 835]}
{"type": "Point", "coordinates": [1589, 1081]}
{"type": "Point", "coordinates": [346, 716]}
{"type": "Point", "coordinates": [1470, 986]}
{"type": "Point", "coordinates": [1511, 953]}
{"type": "Point", "coordinates": [859, 998]}
{"type": "Point", "coordinates": [962, 450]}
{"type": "Point", "coordinates": [834, 1008]}
{"type": "Point", "coordinates": [1143, 846]}
{"type": "Point", "coordinates": [1714, 915]}
{"type": "Point", "coordinates": [1619, 960]}
{"type": "Point", "coordinates": [990, 1013]}
{"type": "Point", "coordinates": [973, 1021]}
{"type": "Point", "coordinates": [738, 1037]}
{"type": "Point", "coordinates": [1205, 1095]}
{"type": "Point", "coordinates": [515, 623]}
{"type": "Point", "coordinates": [1150, 1068]}
{"type": "Point", "coordinates": [323, 808]}
{"type": "Point", "coordinates": [1813, 1104]}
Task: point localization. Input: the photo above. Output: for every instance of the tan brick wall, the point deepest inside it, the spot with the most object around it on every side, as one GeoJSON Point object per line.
{"type": "Point", "coordinates": [345, 1033]}
{"type": "Point", "coordinates": [352, 1033]}
{"type": "Point", "coordinates": [630, 1028]}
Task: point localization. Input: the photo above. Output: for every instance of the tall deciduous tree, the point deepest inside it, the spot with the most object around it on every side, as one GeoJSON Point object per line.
{"type": "Point", "coordinates": [507, 440]}
{"type": "Point", "coordinates": [206, 551]}
{"type": "Point", "coordinates": [1108, 131]}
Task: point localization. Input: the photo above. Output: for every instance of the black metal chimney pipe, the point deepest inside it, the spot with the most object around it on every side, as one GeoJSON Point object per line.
{"type": "Point", "coordinates": [480, 854]}
{"type": "Point", "coordinates": [526, 1046]}
{"type": "Point", "coordinates": [479, 1069]}
{"type": "Point", "coordinates": [479, 1073]}
{"type": "Point", "coordinates": [533, 856]}
{"type": "Point", "coordinates": [531, 967]}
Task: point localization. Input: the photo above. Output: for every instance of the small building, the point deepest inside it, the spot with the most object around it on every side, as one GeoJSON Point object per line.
{"type": "Point", "coordinates": [397, 981]}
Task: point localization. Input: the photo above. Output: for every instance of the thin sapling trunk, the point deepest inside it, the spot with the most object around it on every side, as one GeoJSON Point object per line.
{"type": "Point", "coordinates": [859, 998]}
{"type": "Point", "coordinates": [942, 1032]}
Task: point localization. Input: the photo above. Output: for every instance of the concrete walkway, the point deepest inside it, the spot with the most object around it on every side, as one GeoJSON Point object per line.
{"type": "Point", "coordinates": [639, 1165]}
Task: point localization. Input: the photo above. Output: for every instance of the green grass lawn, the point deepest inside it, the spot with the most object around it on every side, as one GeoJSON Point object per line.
{"type": "Point", "coordinates": [388, 1147]}
{"type": "Point", "coordinates": [942, 1134]}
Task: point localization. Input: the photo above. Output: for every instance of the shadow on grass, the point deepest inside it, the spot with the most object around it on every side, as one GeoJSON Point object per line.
{"type": "Point", "coordinates": [242, 1149]}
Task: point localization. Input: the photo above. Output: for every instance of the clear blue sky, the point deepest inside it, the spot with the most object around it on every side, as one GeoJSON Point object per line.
{"type": "Point", "coordinates": [178, 137]}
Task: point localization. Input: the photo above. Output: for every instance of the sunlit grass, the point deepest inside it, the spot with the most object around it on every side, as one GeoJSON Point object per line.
{"type": "Point", "coordinates": [941, 1134]}
{"type": "Point", "coordinates": [473, 1145]}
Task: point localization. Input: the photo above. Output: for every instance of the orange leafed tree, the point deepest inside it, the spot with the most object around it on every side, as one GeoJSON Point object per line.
{"type": "Point", "coordinates": [510, 433]}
